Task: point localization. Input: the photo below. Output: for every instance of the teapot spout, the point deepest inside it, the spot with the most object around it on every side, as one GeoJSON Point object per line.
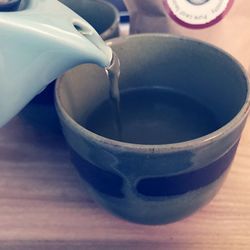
{"type": "Point", "coordinates": [37, 45]}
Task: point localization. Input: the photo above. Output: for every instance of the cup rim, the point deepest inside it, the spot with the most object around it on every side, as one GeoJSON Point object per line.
{"type": "Point", "coordinates": [160, 148]}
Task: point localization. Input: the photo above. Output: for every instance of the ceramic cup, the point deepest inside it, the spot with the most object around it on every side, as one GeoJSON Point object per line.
{"type": "Point", "coordinates": [156, 184]}
{"type": "Point", "coordinates": [103, 16]}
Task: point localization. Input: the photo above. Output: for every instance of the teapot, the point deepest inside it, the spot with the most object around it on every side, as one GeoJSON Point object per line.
{"type": "Point", "coordinates": [39, 42]}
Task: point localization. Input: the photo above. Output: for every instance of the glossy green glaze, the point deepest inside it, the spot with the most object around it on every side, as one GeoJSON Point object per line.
{"type": "Point", "coordinates": [38, 43]}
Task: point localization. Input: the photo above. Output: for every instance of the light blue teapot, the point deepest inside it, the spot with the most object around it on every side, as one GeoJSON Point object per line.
{"type": "Point", "coordinates": [37, 44]}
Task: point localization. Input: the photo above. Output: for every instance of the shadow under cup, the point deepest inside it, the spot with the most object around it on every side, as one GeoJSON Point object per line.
{"type": "Point", "coordinates": [156, 184]}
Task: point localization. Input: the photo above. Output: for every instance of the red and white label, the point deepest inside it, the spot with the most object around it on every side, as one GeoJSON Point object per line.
{"type": "Point", "coordinates": [197, 14]}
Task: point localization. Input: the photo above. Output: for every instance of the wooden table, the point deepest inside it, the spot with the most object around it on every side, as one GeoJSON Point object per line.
{"type": "Point", "coordinates": [43, 204]}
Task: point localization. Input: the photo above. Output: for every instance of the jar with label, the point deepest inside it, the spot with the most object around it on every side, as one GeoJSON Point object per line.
{"type": "Point", "coordinates": [224, 23]}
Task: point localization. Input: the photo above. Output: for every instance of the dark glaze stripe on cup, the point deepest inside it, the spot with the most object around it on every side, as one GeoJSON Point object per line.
{"type": "Point", "coordinates": [101, 180]}
{"type": "Point", "coordinates": [111, 184]}
{"type": "Point", "coordinates": [183, 183]}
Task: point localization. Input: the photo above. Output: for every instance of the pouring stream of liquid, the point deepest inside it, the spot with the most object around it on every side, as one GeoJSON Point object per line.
{"type": "Point", "coordinates": [113, 74]}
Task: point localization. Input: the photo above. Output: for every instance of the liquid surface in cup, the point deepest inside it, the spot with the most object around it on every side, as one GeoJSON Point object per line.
{"type": "Point", "coordinates": [152, 116]}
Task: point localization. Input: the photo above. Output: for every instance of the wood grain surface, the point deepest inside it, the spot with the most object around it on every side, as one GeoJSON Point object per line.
{"type": "Point", "coordinates": [43, 204]}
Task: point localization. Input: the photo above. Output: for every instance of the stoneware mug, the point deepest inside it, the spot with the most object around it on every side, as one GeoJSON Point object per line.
{"type": "Point", "coordinates": [102, 15]}
{"type": "Point", "coordinates": [156, 184]}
